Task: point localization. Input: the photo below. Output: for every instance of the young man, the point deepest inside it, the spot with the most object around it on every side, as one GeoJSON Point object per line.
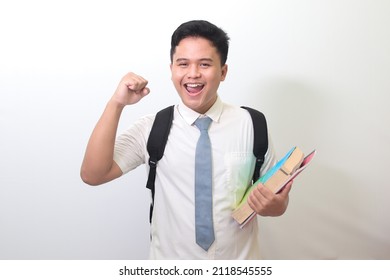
{"type": "Point", "coordinates": [198, 64]}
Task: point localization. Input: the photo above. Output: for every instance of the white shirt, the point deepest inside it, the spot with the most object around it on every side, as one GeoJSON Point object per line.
{"type": "Point", "coordinates": [173, 224]}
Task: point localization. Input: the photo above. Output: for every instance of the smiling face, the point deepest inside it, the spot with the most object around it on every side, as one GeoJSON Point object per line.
{"type": "Point", "coordinates": [197, 72]}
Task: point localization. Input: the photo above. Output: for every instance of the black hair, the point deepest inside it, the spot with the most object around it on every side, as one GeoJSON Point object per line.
{"type": "Point", "coordinates": [203, 29]}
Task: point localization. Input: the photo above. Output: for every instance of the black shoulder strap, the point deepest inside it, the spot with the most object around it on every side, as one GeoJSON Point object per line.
{"type": "Point", "coordinates": [260, 142]}
{"type": "Point", "coordinates": [156, 145]}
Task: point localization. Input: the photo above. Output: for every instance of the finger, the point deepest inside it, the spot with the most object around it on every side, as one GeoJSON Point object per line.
{"type": "Point", "coordinates": [136, 85]}
{"type": "Point", "coordinates": [254, 202]}
{"type": "Point", "coordinates": [143, 92]}
{"type": "Point", "coordinates": [264, 192]}
{"type": "Point", "coordinates": [286, 190]}
{"type": "Point", "coordinates": [146, 90]}
{"type": "Point", "coordinates": [259, 195]}
{"type": "Point", "coordinates": [134, 82]}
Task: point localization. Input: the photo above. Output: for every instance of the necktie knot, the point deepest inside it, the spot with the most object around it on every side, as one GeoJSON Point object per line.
{"type": "Point", "coordinates": [203, 123]}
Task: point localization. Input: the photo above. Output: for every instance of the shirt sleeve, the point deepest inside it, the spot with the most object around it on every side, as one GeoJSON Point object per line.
{"type": "Point", "coordinates": [130, 146]}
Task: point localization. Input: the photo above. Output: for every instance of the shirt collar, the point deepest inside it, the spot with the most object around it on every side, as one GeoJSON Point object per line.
{"type": "Point", "coordinates": [190, 116]}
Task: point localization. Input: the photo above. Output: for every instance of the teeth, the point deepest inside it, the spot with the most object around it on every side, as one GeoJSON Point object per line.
{"type": "Point", "coordinates": [194, 85]}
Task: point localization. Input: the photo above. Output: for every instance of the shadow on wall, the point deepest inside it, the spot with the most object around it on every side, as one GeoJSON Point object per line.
{"type": "Point", "coordinates": [321, 223]}
{"type": "Point", "coordinates": [327, 217]}
{"type": "Point", "coordinates": [333, 219]}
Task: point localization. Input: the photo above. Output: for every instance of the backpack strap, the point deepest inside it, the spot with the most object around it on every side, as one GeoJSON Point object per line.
{"type": "Point", "coordinates": [260, 142]}
{"type": "Point", "coordinates": [156, 145]}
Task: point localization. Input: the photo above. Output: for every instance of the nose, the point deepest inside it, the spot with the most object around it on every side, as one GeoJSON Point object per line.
{"type": "Point", "coordinates": [193, 71]}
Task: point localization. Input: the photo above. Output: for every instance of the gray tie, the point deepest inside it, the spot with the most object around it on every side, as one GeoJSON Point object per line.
{"type": "Point", "coordinates": [203, 187]}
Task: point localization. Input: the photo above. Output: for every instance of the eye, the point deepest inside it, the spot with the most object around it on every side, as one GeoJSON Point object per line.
{"type": "Point", "coordinates": [204, 65]}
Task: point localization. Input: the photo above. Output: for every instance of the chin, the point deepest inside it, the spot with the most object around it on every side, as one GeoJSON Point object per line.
{"type": "Point", "coordinates": [193, 105]}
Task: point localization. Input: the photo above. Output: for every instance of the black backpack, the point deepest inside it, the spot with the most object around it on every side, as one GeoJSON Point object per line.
{"type": "Point", "coordinates": [159, 135]}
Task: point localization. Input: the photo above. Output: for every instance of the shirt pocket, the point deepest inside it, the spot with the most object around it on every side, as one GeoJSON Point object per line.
{"type": "Point", "coordinates": [240, 166]}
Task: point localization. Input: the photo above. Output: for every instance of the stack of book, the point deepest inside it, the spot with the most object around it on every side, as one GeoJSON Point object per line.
{"type": "Point", "coordinates": [292, 164]}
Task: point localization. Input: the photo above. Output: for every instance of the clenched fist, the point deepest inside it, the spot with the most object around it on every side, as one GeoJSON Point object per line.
{"type": "Point", "coordinates": [131, 89]}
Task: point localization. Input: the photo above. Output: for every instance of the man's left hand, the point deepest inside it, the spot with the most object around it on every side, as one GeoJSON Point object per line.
{"type": "Point", "coordinates": [265, 203]}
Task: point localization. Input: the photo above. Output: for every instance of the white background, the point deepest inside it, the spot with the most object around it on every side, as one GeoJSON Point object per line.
{"type": "Point", "coordinates": [319, 70]}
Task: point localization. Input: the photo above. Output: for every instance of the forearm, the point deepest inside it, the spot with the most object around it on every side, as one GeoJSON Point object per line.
{"type": "Point", "coordinates": [98, 160]}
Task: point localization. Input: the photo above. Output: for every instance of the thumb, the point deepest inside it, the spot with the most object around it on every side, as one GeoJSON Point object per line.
{"type": "Point", "coordinates": [145, 91]}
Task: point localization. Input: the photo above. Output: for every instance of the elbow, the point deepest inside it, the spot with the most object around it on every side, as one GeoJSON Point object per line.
{"type": "Point", "coordinates": [88, 179]}
{"type": "Point", "coordinates": [93, 176]}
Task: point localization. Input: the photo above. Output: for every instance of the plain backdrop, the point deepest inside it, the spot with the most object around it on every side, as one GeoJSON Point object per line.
{"type": "Point", "coordinates": [319, 70]}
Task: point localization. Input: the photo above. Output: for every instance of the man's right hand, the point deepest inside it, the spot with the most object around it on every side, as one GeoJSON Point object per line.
{"type": "Point", "coordinates": [131, 89]}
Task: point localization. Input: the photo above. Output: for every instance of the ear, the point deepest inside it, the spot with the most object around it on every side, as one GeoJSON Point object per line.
{"type": "Point", "coordinates": [224, 72]}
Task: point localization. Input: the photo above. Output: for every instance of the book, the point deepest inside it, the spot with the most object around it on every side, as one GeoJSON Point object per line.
{"type": "Point", "coordinates": [276, 178]}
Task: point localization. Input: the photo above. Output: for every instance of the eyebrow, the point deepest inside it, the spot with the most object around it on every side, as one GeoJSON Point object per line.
{"type": "Point", "coordinates": [186, 59]}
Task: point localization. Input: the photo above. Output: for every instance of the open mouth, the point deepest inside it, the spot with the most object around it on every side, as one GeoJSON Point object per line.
{"type": "Point", "coordinates": [193, 89]}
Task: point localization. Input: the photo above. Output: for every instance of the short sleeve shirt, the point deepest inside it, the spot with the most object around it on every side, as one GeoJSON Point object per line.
{"type": "Point", "coordinates": [173, 224]}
